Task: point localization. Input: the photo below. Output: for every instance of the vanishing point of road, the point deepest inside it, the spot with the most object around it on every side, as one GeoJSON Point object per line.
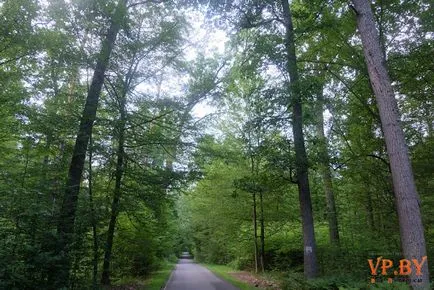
{"type": "Point", "coordinates": [191, 276]}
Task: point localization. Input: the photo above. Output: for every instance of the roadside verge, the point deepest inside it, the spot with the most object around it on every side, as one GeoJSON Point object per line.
{"type": "Point", "coordinates": [227, 273]}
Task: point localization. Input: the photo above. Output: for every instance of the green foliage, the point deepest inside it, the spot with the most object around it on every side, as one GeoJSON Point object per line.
{"type": "Point", "coordinates": [47, 53]}
{"type": "Point", "coordinates": [154, 281]}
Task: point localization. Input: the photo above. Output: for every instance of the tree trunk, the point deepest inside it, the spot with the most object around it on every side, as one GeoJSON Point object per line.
{"type": "Point", "coordinates": [65, 226]}
{"type": "Point", "coordinates": [310, 260]}
{"type": "Point", "coordinates": [93, 220]}
{"type": "Point", "coordinates": [324, 168]}
{"type": "Point", "coordinates": [407, 199]}
{"type": "Point", "coordinates": [255, 234]}
{"type": "Point", "coordinates": [261, 221]}
{"type": "Point", "coordinates": [105, 278]}
{"type": "Point", "coordinates": [45, 168]}
{"type": "Point", "coordinates": [370, 210]}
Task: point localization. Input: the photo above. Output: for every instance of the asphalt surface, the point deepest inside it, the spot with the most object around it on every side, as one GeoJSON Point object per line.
{"type": "Point", "coordinates": [190, 276]}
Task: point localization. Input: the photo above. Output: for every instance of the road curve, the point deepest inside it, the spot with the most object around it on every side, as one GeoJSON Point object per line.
{"type": "Point", "coordinates": [191, 276]}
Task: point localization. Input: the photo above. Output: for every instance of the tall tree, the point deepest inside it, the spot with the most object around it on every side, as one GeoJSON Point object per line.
{"type": "Point", "coordinates": [301, 163]}
{"type": "Point", "coordinates": [120, 163]}
{"type": "Point", "coordinates": [407, 199]}
{"type": "Point", "coordinates": [95, 245]}
{"type": "Point", "coordinates": [324, 168]}
{"type": "Point", "coordinates": [65, 226]}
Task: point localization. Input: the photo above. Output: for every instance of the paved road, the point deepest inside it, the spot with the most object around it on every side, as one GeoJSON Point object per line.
{"type": "Point", "coordinates": [190, 276]}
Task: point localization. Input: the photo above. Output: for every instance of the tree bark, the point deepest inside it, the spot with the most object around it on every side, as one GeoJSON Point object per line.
{"type": "Point", "coordinates": [65, 226]}
{"type": "Point", "coordinates": [255, 222]}
{"type": "Point", "coordinates": [261, 221]}
{"type": "Point", "coordinates": [324, 168]}
{"type": "Point", "coordinates": [255, 234]}
{"type": "Point", "coordinates": [93, 219]}
{"type": "Point", "coordinates": [370, 210]}
{"type": "Point", "coordinates": [407, 199]}
{"type": "Point", "coordinates": [105, 277]}
{"type": "Point", "coordinates": [310, 259]}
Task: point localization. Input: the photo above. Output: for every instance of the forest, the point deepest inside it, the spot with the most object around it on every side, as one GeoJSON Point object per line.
{"type": "Point", "coordinates": [290, 141]}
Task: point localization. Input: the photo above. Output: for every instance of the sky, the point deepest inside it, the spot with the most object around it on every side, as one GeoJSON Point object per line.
{"type": "Point", "coordinates": [208, 41]}
{"type": "Point", "coordinates": [204, 40]}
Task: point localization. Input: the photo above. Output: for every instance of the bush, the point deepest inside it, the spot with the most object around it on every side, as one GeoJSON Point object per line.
{"type": "Point", "coordinates": [284, 260]}
{"type": "Point", "coordinates": [242, 263]}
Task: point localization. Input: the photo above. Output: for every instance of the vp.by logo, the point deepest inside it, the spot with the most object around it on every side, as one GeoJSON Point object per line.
{"type": "Point", "coordinates": [404, 268]}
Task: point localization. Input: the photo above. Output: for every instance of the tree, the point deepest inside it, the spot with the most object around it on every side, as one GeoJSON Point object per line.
{"type": "Point", "coordinates": [65, 227]}
{"type": "Point", "coordinates": [407, 200]}
{"type": "Point", "coordinates": [325, 171]}
{"type": "Point", "coordinates": [120, 163]}
{"type": "Point", "coordinates": [301, 163]}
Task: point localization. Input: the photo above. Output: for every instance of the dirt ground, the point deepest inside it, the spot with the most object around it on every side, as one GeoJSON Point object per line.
{"type": "Point", "coordinates": [255, 281]}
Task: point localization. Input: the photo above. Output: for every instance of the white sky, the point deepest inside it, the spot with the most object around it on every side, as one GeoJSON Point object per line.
{"type": "Point", "coordinates": [202, 40]}
{"type": "Point", "coordinates": [208, 41]}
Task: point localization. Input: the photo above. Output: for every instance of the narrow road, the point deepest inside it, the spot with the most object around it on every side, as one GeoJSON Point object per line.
{"type": "Point", "coordinates": [191, 276]}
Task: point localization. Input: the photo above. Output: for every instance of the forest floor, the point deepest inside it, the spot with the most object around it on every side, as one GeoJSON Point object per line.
{"type": "Point", "coordinates": [255, 280]}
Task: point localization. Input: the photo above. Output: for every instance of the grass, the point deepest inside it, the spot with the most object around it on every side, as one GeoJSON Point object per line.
{"type": "Point", "coordinates": [223, 271]}
{"type": "Point", "coordinates": [155, 281]}
{"type": "Point", "coordinates": [159, 278]}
